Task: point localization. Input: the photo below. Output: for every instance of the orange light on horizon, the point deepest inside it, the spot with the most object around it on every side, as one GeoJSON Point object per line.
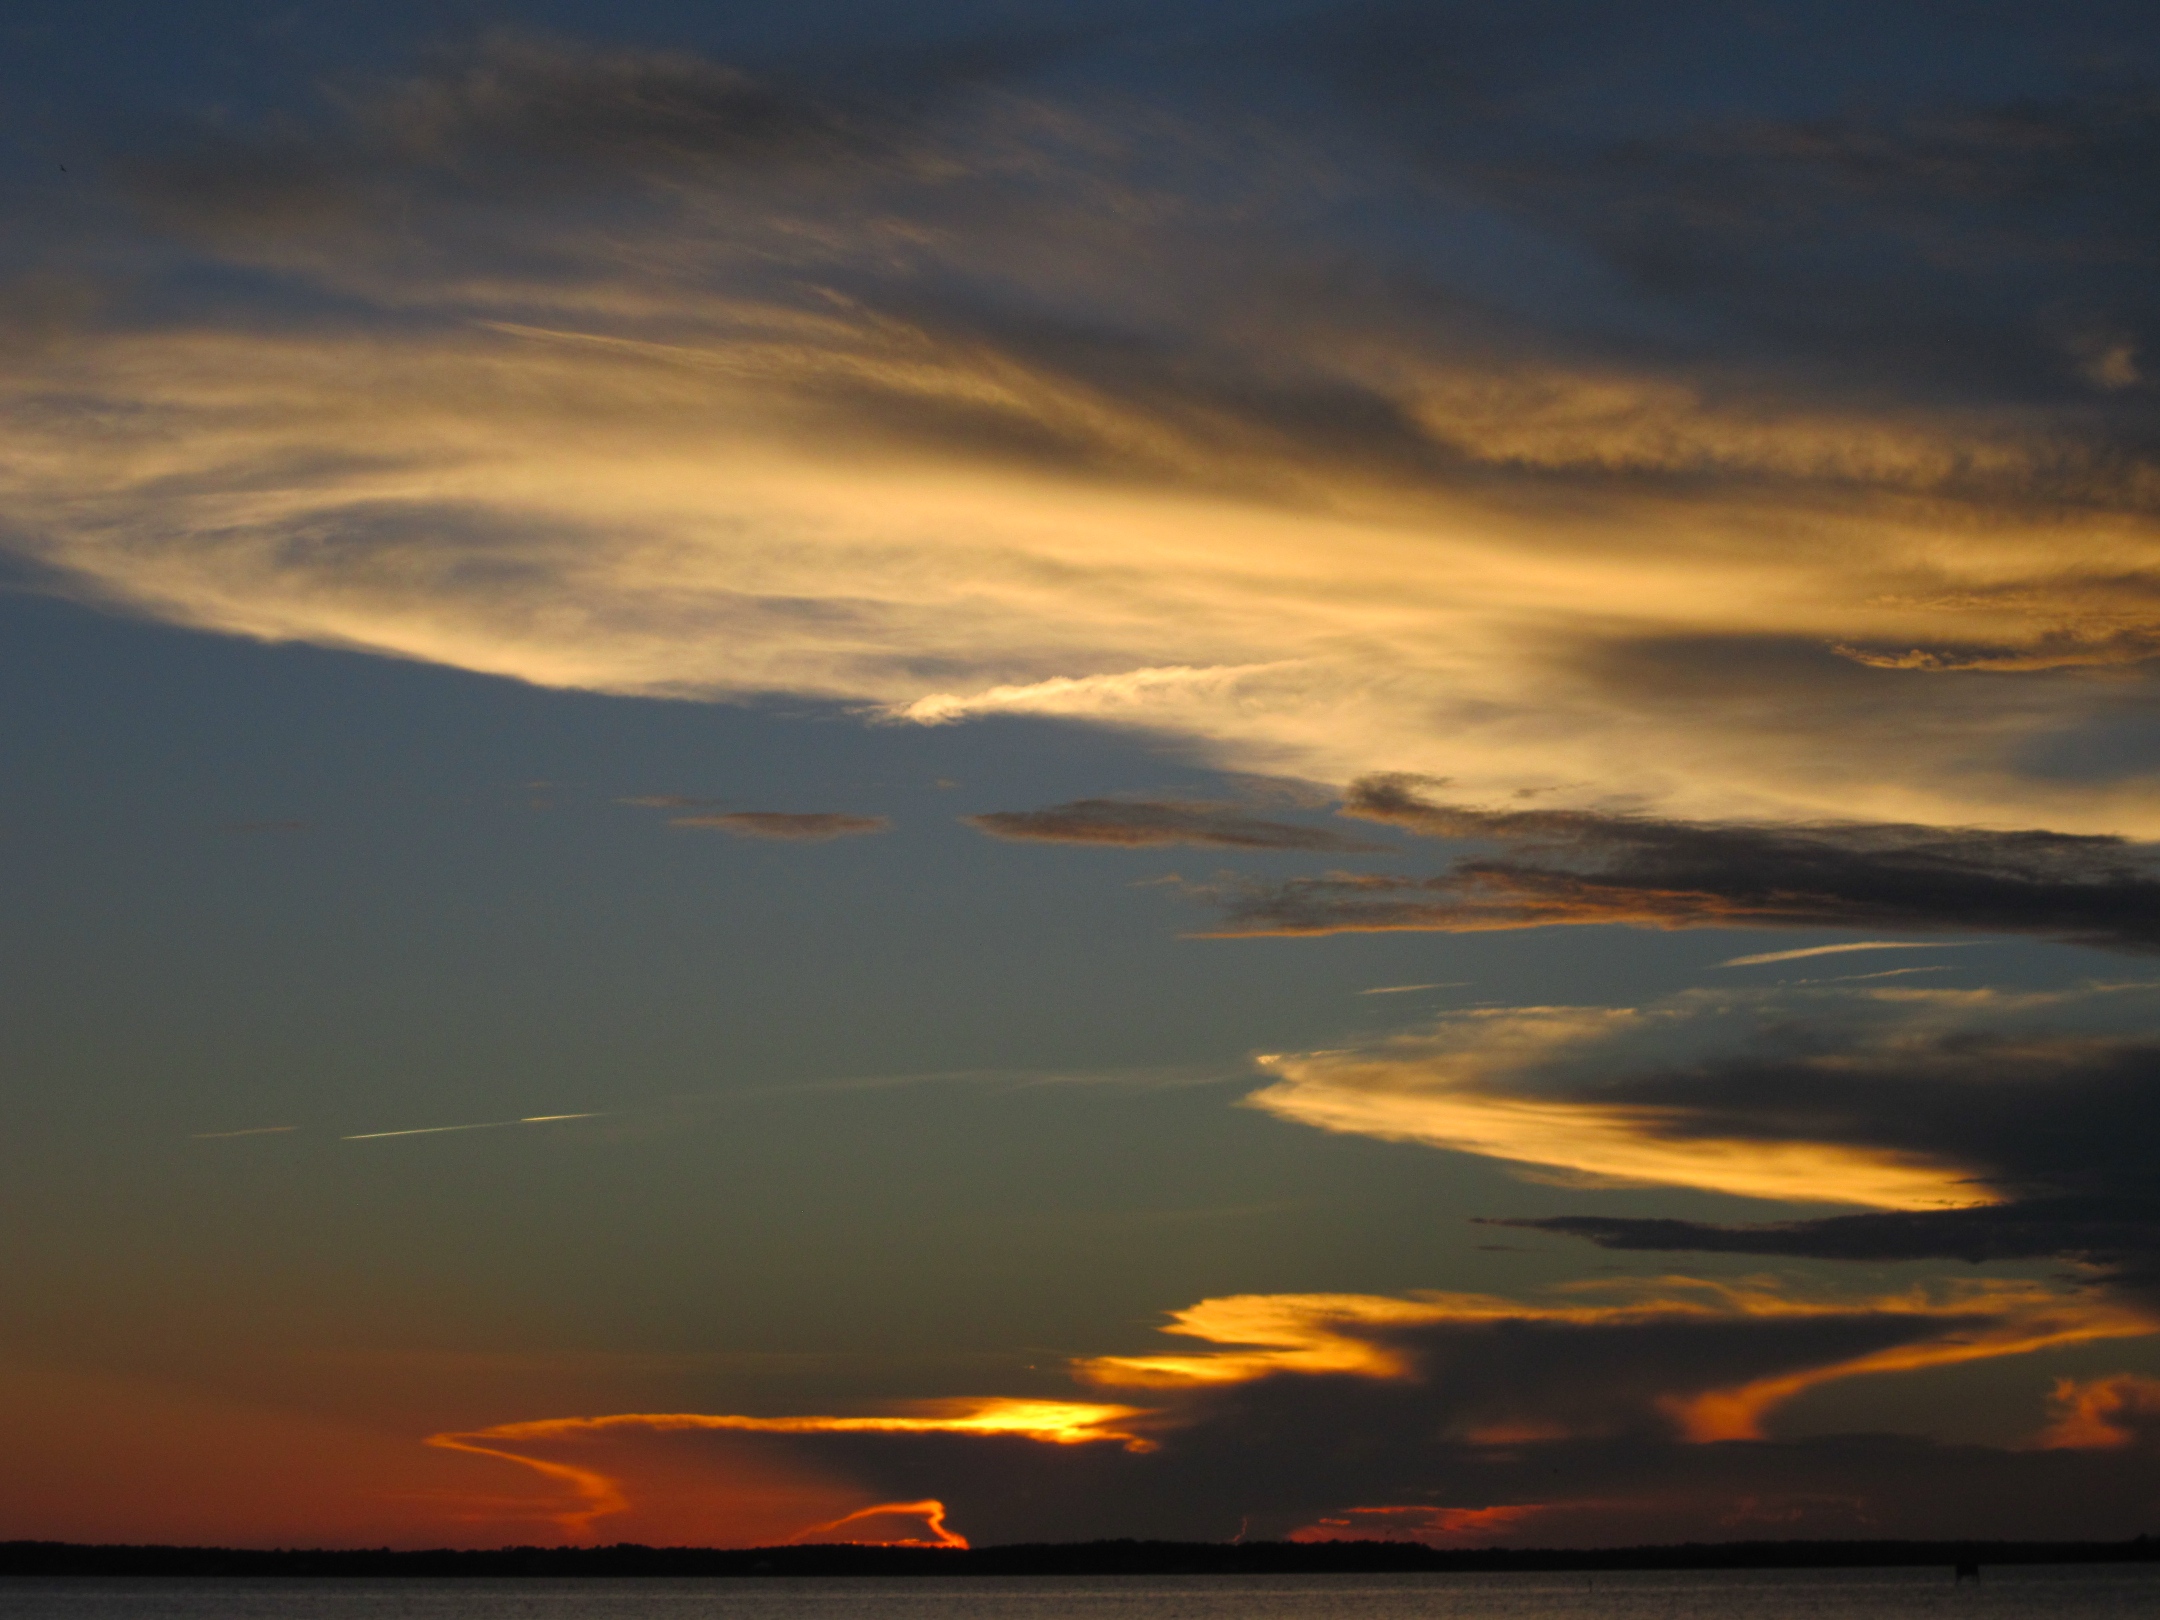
{"type": "Point", "coordinates": [1417, 1522]}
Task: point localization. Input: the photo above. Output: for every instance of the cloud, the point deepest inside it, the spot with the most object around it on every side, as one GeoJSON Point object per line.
{"type": "Point", "coordinates": [594, 1494]}
{"type": "Point", "coordinates": [1096, 697]}
{"type": "Point", "coordinates": [795, 826]}
{"type": "Point", "coordinates": [1911, 1100]}
{"type": "Point", "coordinates": [1419, 1523]}
{"type": "Point", "coordinates": [2104, 1413]}
{"type": "Point", "coordinates": [1593, 1413]}
{"type": "Point", "coordinates": [1136, 823]}
{"type": "Point", "coordinates": [962, 393]}
{"type": "Point", "coordinates": [887, 1524]}
{"type": "Point", "coordinates": [1595, 867]}
{"type": "Point", "coordinates": [516, 112]}
{"type": "Point", "coordinates": [1764, 958]}
{"type": "Point", "coordinates": [1524, 1085]}
{"type": "Point", "coordinates": [1905, 237]}
{"type": "Point", "coordinates": [2118, 1236]}
{"type": "Point", "coordinates": [1981, 1126]}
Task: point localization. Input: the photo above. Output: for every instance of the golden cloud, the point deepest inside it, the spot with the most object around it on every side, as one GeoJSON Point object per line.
{"type": "Point", "coordinates": [1459, 1087]}
{"type": "Point", "coordinates": [730, 447]}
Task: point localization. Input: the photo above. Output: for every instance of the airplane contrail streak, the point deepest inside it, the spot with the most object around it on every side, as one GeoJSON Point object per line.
{"type": "Point", "coordinates": [483, 1125]}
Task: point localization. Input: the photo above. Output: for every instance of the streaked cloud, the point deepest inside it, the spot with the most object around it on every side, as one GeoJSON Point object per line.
{"type": "Point", "coordinates": [1459, 1400]}
{"type": "Point", "coordinates": [1596, 867]}
{"type": "Point", "coordinates": [595, 1494]}
{"type": "Point", "coordinates": [792, 826]}
{"type": "Point", "coordinates": [1901, 1099]}
{"type": "Point", "coordinates": [1702, 518]}
{"type": "Point", "coordinates": [1765, 958]}
{"type": "Point", "coordinates": [1314, 1335]}
{"type": "Point", "coordinates": [965, 395]}
{"type": "Point", "coordinates": [1136, 823]}
{"type": "Point", "coordinates": [1450, 1091]}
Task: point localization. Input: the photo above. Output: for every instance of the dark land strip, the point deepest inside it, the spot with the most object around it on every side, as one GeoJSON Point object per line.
{"type": "Point", "coordinates": [50, 1558]}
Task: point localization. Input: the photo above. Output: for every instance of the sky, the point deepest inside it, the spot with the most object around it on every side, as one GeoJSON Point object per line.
{"type": "Point", "coordinates": [1021, 772]}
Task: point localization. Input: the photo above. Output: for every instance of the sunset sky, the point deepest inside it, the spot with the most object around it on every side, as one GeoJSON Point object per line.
{"type": "Point", "coordinates": [1016, 771]}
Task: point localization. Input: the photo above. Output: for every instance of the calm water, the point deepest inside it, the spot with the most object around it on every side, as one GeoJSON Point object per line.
{"type": "Point", "coordinates": [2112, 1592]}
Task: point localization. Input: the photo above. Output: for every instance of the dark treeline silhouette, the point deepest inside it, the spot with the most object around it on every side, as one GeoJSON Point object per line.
{"type": "Point", "coordinates": [1058, 1558]}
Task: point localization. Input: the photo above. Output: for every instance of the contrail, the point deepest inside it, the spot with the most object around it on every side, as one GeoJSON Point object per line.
{"type": "Point", "coordinates": [484, 1125]}
{"type": "Point", "coordinates": [1398, 989]}
{"type": "Point", "coordinates": [1863, 945]}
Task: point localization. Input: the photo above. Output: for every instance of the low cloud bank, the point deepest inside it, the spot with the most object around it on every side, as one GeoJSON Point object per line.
{"type": "Point", "coordinates": [1615, 1413]}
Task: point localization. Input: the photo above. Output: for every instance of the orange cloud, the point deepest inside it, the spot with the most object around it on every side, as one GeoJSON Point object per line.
{"type": "Point", "coordinates": [592, 1493]}
{"type": "Point", "coordinates": [2028, 1319]}
{"type": "Point", "coordinates": [1450, 1087]}
{"type": "Point", "coordinates": [2100, 1414]}
{"type": "Point", "coordinates": [1667, 1362]}
{"type": "Point", "coordinates": [1276, 1333]}
{"type": "Point", "coordinates": [1268, 1335]}
{"type": "Point", "coordinates": [723, 511]}
{"type": "Point", "coordinates": [929, 1514]}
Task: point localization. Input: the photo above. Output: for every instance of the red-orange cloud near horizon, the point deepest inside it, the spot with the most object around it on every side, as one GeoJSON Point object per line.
{"type": "Point", "coordinates": [1434, 1526]}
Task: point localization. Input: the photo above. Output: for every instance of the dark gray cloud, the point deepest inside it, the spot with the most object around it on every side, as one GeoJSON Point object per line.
{"type": "Point", "coordinates": [1178, 295]}
{"type": "Point", "coordinates": [1134, 823]}
{"type": "Point", "coordinates": [1587, 866]}
{"type": "Point", "coordinates": [798, 826]}
{"type": "Point", "coordinates": [1573, 1415]}
{"type": "Point", "coordinates": [2058, 1132]}
{"type": "Point", "coordinates": [2025, 1113]}
{"type": "Point", "coordinates": [513, 112]}
{"type": "Point", "coordinates": [2119, 1235]}
{"type": "Point", "coordinates": [1952, 237]}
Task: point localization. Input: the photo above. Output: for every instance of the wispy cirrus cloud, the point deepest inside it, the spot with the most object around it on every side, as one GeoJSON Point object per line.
{"type": "Point", "coordinates": [964, 394]}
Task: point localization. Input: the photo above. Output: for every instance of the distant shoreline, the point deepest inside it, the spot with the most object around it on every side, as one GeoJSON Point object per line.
{"type": "Point", "coordinates": [57, 1558]}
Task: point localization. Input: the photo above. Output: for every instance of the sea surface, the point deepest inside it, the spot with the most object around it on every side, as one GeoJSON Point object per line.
{"type": "Point", "coordinates": [2057, 1592]}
